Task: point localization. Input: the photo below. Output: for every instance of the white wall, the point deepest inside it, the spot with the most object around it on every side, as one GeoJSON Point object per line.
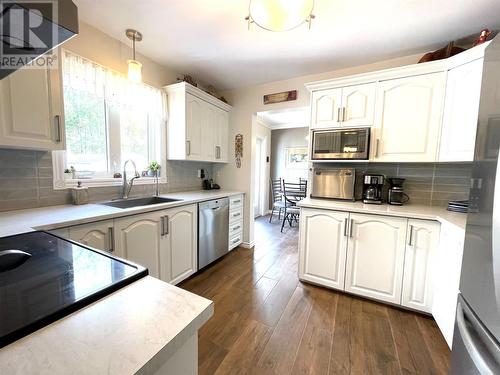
{"type": "Point", "coordinates": [247, 101]}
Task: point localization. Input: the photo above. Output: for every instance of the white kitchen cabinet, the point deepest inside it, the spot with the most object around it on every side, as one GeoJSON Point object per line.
{"type": "Point", "coordinates": [31, 110]}
{"type": "Point", "coordinates": [448, 267]}
{"type": "Point", "coordinates": [139, 239]}
{"type": "Point", "coordinates": [179, 258]}
{"type": "Point", "coordinates": [375, 256]}
{"type": "Point", "coordinates": [236, 205]}
{"type": "Point", "coordinates": [421, 250]}
{"type": "Point", "coordinates": [98, 235]}
{"type": "Point", "coordinates": [326, 107]}
{"type": "Point", "coordinates": [461, 108]}
{"type": "Point", "coordinates": [358, 105]}
{"type": "Point", "coordinates": [408, 119]}
{"type": "Point", "coordinates": [345, 106]}
{"type": "Point", "coordinates": [323, 246]}
{"type": "Point", "coordinates": [198, 125]}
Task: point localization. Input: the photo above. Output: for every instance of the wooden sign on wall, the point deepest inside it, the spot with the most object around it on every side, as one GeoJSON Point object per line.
{"type": "Point", "coordinates": [280, 97]}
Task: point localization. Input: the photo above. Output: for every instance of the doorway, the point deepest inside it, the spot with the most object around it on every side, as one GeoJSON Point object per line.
{"type": "Point", "coordinates": [260, 170]}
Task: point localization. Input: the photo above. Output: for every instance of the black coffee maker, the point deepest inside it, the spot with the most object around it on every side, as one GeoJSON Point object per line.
{"type": "Point", "coordinates": [396, 195]}
{"type": "Point", "coordinates": [372, 188]}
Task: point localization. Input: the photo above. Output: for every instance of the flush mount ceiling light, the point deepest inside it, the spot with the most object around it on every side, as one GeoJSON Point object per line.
{"type": "Point", "coordinates": [134, 66]}
{"type": "Point", "coordinates": [280, 15]}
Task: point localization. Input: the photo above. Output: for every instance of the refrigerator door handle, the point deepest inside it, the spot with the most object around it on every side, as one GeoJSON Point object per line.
{"type": "Point", "coordinates": [471, 345]}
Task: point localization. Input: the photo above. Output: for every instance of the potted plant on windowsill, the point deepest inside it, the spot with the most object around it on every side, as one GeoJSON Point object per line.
{"type": "Point", "coordinates": [153, 170]}
{"type": "Point", "coordinates": [69, 173]}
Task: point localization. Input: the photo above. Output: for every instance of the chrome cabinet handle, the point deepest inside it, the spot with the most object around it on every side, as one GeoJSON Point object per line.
{"type": "Point", "coordinates": [377, 148]}
{"type": "Point", "coordinates": [236, 214]}
{"type": "Point", "coordinates": [167, 224]}
{"type": "Point", "coordinates": [339, 117]}
{"type": "Point", "coordinates": [345, 227]}
{"type": "Point", "coordinates": [188, 148]}
{"type": "Point", "coordinates": [237, 201]}
{"type": "Point", "coordinates": [410, 241]}
{"type": "Point", "coordinates": [344, 114]}
{"type": "Point", "coordinates": [235, 240]}
{"type": "Point", "coordinates": [111, 239]}
{"type": "Point", "coordinates": [217, 152]}
{"type": "Point", "coordinates": [237, 227]}
{"type": "Point", "coordinates": [57, 124]}
{"type": "Point", "coordinates": [162, 225]}
{"type": "Point", "coordinates": [351, 226]}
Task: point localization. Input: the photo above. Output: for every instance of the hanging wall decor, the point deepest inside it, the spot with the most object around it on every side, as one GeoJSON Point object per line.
{"type": "Point", "coordinates": [238, 149]}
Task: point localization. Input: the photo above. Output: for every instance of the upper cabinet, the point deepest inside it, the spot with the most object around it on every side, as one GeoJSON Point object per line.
{"type": "Point", "coordinates": [31, 110]}
{"type": "Point", "coordinates": [408, 118]}
{"type": "Point", "coordinates": [198, 125]}
{"type": "Point", "coordinates": [463, 90]}
{"type": "Point", "coordinates": [418, 113]}
{"type": "Point", "coordinates": [347, 106]}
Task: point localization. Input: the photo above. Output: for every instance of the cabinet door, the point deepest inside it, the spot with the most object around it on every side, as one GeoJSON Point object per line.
{"type": "Point", "coordinates": [97, 235]}
{"type": "Point", "coordinates": [448, 267]}
{"type": "Point", "coordinates": [26, 111]}
{"type": "Point", "coordinates": [222, 136]}
{"type": "Point", "coordinates": [421, 249]}
{"type": "Point", "coordinates": [209, 132]}
{"type": "Point", "coordinates": [358, 105]}
{"type": "Point", "coordinates": [375, 257]}
{"type": "Point", "coordinates": [179, 259]}
{"type": "Point", "coordinates": [326, 106]}
{"type": "Point", "coordinates": [195, 118]}
{"type": "Point", "coordinates": [139, 239]}
{"type": "Point", "coordinates": [461, 108]}
{"type": "Point", "coordinates": [408, 119]}
{"type": "Point", "coordinates": [322, 257]}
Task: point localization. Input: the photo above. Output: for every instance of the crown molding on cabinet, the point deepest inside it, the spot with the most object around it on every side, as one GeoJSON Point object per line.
{"type": "Point", "coordinates": [184, 86]}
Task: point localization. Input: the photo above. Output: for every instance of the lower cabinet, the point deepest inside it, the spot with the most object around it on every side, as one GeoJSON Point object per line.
{"type": "Point", "coordinates": [421, 249]}
{"type": "Point", "coordinates": [98, 235]}
{"type": "Point", "coordinates": [140, 239]}
{"type": "Point", "coordinates": [390, 259]}
{"type": "Point", "coordinates": [323, 246]}
{"type": "Point", "coordinates": [375, 257]}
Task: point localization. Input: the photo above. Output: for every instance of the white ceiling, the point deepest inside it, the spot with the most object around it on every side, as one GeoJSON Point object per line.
{"type": "Point", "coordinates": [209, 38]}
{"type": "Point", "coordinates": [286, 118]}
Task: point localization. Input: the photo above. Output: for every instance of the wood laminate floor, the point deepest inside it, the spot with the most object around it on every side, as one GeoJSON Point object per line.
{"type": "Point", "coordinates": [267, 322]}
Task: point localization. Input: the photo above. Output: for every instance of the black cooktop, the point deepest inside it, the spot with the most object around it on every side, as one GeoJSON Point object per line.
{"type": "Point", "coordinates": [44, 277]}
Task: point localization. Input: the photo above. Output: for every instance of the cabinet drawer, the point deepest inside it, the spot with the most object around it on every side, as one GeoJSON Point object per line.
{"type": "Point", "coordinates": [235, 228]}
{"type": "Point", "coordinates": [236, 201]}
{"type": "Point", "coordinates": [235, 240]}
{"type": "Point", "coordinates": [235, 215]}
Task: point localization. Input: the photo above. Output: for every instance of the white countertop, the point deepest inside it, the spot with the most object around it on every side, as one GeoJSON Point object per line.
{"type": "Point", "coordinates": [412, 211]}
{"type": "Point", "coordinates": [52, 217]}
{"type": "Point", "coordinates": [118, 334]}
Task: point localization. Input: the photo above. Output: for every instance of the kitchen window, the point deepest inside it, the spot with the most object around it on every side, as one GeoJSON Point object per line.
{"type": "Point", "coordinates": [108, 120]}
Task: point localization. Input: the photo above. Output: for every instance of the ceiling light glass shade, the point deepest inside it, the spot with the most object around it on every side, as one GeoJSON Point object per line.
{"type": "Point", "coordinates": [280, 15]}
{"type": "Point", "coordinates": [134, 71]}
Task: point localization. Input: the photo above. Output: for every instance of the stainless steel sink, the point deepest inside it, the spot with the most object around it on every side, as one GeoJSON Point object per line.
{"type": "Point", "coordinates": [137, 202]}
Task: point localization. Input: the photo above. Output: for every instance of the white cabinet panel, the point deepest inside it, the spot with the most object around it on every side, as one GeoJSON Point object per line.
{"type": "Point", "coordinates": [195, 121]}
{"type": "Point", "coordinates": [139, 238]}
{"type": "Point", "coordinates": [358, 104]}
{"type": "Point", "coordinates": [326, 105]}
{"type": "Point", "coordinates": [98, 235]}
{"type": "Point", "coordinates": [375, 257]}
{"type": "Point", "coordinates": [179, 259]}
{"type": "Point", "coordinates": [421, 250]}
{"type": "Point", "coordinates": [221, 136]}
{"type": "Point", "coordinates": [408, 119]}
{"type": "Point", "coordinates": [448, 267]}
{"type": "Point", "coordinates": [323, 245]}
{"type": "Point", "coordinates": [463, 90]}
{"type": "Point", "coordinates": [30, 115]}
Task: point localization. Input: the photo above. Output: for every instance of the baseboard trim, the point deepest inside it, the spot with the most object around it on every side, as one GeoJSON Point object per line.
{"type": "Point", "coordinates": [247, 245]}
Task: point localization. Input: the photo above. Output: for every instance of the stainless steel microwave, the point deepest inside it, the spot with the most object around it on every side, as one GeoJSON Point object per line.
{"type": "Point", "coordinates": [338, 144]}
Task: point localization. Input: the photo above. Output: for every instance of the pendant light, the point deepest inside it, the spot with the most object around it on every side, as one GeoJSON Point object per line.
{"type": "Point", "coordinates": [134, 66]}
{"type": "Point", "coordinates": [280, 15]}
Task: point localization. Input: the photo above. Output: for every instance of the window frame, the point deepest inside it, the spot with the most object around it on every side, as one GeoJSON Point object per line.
{"type": "Point", "coordinates": [59, 162]}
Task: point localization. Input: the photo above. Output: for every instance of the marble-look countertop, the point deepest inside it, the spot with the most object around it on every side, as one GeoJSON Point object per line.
{"type": "Point", "coordinates": [119, 334]}
{"type": "Point", "coordinates": [53, 217]}
{"type": "Point", "coordinates": [411, 211]}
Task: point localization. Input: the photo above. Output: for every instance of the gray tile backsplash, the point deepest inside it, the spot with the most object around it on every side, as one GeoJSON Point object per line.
{"type": "Point", "coordinates": [431, 184]}
{"type": "Point", "coordinates": [26, 181]}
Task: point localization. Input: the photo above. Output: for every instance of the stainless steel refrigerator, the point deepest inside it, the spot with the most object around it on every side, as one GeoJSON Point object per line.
{"type": "Point", "coordinates": [476, 340]}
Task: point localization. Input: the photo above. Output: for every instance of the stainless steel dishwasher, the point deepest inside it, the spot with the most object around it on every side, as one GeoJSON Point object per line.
{"type": "Point", "coordinates": [213, 230]}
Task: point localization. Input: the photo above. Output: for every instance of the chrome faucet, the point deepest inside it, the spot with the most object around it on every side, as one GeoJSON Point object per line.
{"type": "Point", "coordinates": [127, 185]}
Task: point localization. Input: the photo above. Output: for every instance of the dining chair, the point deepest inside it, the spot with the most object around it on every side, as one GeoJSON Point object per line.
{"type": "Point", "coordinates": [276, 197]}
{"type": "Point", "coordinates": [292, 193]}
